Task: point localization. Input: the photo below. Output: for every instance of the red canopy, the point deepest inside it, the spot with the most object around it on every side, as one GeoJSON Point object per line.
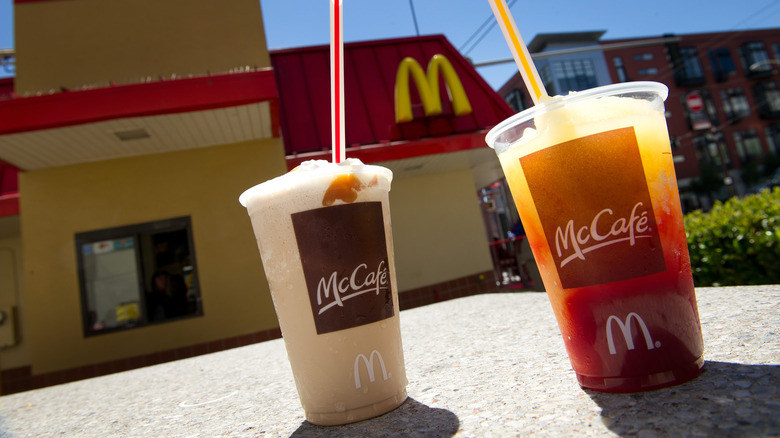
{"type": "Point", "coordinates": [370, 67]}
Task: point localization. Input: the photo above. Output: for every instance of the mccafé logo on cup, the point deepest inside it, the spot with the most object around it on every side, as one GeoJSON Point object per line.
{"type": "Point", "coordinates": [597, 216]}
{"type": "Point", "coordinates": [345, 264]}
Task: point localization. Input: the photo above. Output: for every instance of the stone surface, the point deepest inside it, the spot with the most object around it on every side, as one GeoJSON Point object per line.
{"type": "Point", "coordinates": [487, 365]}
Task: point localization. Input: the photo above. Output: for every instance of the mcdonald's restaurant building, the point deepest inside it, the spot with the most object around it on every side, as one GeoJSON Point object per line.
{"type": "Point", "coordinates": [124, 147]}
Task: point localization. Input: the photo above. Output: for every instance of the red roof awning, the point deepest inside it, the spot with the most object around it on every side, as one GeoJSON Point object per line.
{"type": "Point", "coordinates": [31, 127]}
{"type": "Point", "coordinates": [24, 114]}
{"type": "Point", "coordinates": [303, 81]}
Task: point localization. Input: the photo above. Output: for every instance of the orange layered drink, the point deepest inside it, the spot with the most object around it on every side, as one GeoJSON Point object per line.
{"type": "Point", "coordinates": [593, 178]}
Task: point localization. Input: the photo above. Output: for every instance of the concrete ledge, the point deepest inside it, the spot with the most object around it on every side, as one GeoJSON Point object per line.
{"type": "Point", "coordinates": [484, 365]}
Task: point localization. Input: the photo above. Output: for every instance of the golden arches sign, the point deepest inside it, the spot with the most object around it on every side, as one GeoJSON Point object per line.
{"type": "Point", "coordinates": [428, 88]}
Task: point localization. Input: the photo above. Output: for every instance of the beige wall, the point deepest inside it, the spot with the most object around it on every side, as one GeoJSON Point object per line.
{"type": "Point", "coordinates": [438, 231]}
{"type": "Point", "coordinates": [437, 227]}
{"type": "Point", "coordinates": [11, 296]}
{"type": "Point", "coordinates": [203, 184]}
{"type": "Point", "coordinates": [91, 42]}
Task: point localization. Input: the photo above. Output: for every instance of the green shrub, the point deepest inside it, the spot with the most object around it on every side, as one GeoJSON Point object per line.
{"type": "Point", "coordinates": [737, 242]}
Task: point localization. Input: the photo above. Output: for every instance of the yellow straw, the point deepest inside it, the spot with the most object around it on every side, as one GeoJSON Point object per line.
{"type": "Point", "coordinates": [519, 50]}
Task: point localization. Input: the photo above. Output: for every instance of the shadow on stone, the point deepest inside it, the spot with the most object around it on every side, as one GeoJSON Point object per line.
{"type": "Point", "coordinates": [727, 399]}
{"type": "Point", "coordinates": [412, 418]}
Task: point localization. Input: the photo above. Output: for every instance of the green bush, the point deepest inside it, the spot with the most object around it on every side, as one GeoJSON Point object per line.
{"type": "Point", "coordinates": [737, 242]}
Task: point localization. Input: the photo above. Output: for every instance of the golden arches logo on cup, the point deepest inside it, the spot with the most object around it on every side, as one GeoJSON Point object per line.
{"type": "Point", "coordinates": [428, 88]}
{"type": "Point", "coordinates": [625, 329]}
{"type": "Point", "coordinates": [369, 365]}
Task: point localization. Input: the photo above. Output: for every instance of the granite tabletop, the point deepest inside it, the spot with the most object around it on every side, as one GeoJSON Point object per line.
{"type": "Point", "coordinates": [486, 365]}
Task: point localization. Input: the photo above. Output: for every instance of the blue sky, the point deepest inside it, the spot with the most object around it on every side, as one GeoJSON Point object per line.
{"type": "Point", "coordinates": [296, 23]}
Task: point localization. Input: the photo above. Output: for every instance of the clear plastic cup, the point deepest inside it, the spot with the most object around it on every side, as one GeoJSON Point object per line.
{"type": "Point", "coordinates": [325, 240]}
{"type": "Point", "coordinates": [593, 178]}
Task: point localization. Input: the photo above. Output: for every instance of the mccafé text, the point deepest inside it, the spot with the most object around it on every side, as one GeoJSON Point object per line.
{"type": "Point", "coordinates": [359, 282]}
{"type": "Point", "coordinates": [598, 235]}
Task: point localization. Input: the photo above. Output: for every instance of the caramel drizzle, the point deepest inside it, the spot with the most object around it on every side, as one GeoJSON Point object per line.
{"type": "Point", "coordinates": [345, 188]}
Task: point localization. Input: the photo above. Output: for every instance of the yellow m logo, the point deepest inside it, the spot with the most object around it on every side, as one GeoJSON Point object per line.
{"type": "Point", "coordinates": [428, 88]}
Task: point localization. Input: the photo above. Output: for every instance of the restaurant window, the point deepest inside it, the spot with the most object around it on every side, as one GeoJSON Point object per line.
{"type": "Point", "coordinates": [755, 59]}
{"type": "Point", "coordinates": [735, 104]}
{"type": "Point", "coordinates": [748, 145]}
{"type": "Point", "coordinates": [575, 75]}
{"type": "Point", "coordinates": [620, 69]}
{"type": "Point", "coordinates": [722, 64]}
{"type": "Point", "coordinates": [137, 275]}
{"type": "Point", "coordinates": [687, 67]}
{"type": "Point", "coordinates": [767, 96]}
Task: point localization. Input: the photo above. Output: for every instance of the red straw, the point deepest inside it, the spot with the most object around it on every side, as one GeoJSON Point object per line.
{"type": "Point", "coordinates": [337, 80]}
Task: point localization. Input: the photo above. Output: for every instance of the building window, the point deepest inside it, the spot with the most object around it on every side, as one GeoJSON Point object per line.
{"type": "Point", "coordinates": [705, 117]}
{"type": "Point", "coordinates": [687, 67]}
{"type": "Point", "coordinates": [722, 64]}
{"type": "Point", "coordinates": [691, 64]}
{"type": "Point", "coordinates": [137, 275]}
{"type": "Point", "coordinates": [767, 97]}
{"type": "Point", "coordinates": [648, 71]}
{"type": "Point", "coordinates": [643, 57]}
{"type": "Point", "coordinates": [547, 79]}
{"type": "Point", "coordinates": [773, 137]}
{"type": "Point", "coordinates": [755, 59]}
{"type": "Point", "coordinates": [748, 145]}
{"type": "Point", "coordinates": [620, 69]}
{"type": "Point", "coordinates": [674, 142]}
{"type": "Point", "coordinates": [712, 149]}
{"type": "Point", "coordinates": [576, 75]}
{"type": "Point", "coordinates": [516, 100]}
{"type": "Point", "coordinates": [735, 104]}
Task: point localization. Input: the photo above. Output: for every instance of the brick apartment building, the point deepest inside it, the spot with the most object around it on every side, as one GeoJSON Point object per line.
{"type": "Point", "coordinates": [723, 107]}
